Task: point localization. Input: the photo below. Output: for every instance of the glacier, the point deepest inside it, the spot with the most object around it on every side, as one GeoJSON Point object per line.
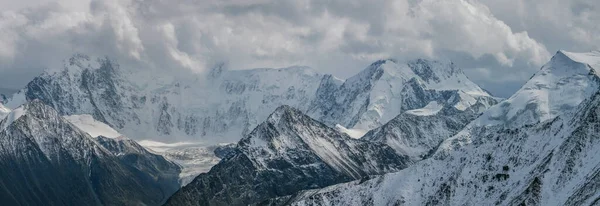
{"type": "Point", "coordinates": [224, 105]}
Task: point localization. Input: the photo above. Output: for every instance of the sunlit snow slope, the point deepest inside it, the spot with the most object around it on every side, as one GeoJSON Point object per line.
{"type": "Point", "coordinates": [223, 105]}
{"type": "Point", "coordinates": [545, 153]}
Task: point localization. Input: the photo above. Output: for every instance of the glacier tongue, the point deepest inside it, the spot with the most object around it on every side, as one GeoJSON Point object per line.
{"type": "Point", "coordinates": [94, 128]}
{"type": "Point", "coordinates": [354, 133]}
{"type": "Point", "coordinates": [430, 109]}
{"type": "Point", "coordinates": [193, 157]}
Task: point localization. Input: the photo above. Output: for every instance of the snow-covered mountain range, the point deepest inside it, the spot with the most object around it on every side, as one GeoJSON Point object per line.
{"type": "Point", "coordinates": [397, 133]}
{"type": "Point", "coordinates": [290, 152]}
{"type": "Point", "coordinates": [538, 147]}
{"type": "Point", "coordinates": [225, 105]}
{"type": "Point", "coordinates": [387, 88]}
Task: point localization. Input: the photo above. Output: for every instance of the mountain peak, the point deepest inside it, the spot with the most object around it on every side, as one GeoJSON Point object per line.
{"type": "Point", "coordinates": [439, 75]}
{"type": "Point", "coordinates": [588, 61]}
{"type": "Point", "coordinates": [37, 107]}
{"type": "Point", "coordinates": [283, 111]}
{"type": "Point", "coordinates": [382, 69]}
{"type": "Point", "coordinates": [430, 70]}
{"type": "Point", "coordinates": [80, 61]}
{"type": "Point", "coordinates": [557, 88]}
{"type": "Point", "coordinates": [423, 64]}
{"type": "Point", "coordinates": [382, 61]}
{"type": "Point", "coordinates": [282, 121]}
{"type": "Point", "coordinates": [34, 108]}
{"type": "Point", "coordinates": [217, 70]}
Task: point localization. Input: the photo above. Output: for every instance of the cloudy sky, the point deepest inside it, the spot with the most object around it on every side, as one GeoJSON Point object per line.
{"type": "Point", "coordinates": [499, 43]}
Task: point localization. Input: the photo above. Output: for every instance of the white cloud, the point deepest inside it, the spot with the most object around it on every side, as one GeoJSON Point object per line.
{"type": "Point", "coordinates": [335, 36]}
{"type": "Point", "coordinates": [559, 24]}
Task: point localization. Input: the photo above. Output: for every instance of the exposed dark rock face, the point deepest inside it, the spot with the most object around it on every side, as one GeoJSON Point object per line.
{"type": "Point", "coordinates": [550, 163]}
{"type": "Point", "coordinates": [225, 151]}
{"type": "Point", "coordinates": [538, 147]}
{"type": "Point", "coordinates": [418, 136]}
{"type": "Point", "coordinates": [45, 160]}
{"type": "Point", "coordinates": [157, 169]}
{"type": "Point", "coordinates": [290, 151]}
{"type": "Point", "coordinates": [287, 153]}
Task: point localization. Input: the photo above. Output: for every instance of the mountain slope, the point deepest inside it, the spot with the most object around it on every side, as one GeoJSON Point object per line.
{"type": "Point", "coordinates": [556, 90]}
{"type": "Point", "coordinates": [162, 171]}
{"type": "Point", "coordinates": [417, 133]}
{"type": "Point", "coordinates": [45, 160]}
{"type": "Point", "coordinates": [554, 163]}
{"type": "Point", "coordinates": [94, 128]}
{"type": "Point", "coordinates": [3, 111]}
{"type": "Point", "coordinates": [560, 85]}
{"type": "Point", "coordinates": [387, 88]}
{"type": "Point", "coordinates": [224, 105]}
{"type": "Point", "coordinates": [170, 105]}
{"type": "Point", "coordinates": [287, 153]}
{"type": "Point", "coordinates": [547, 160]}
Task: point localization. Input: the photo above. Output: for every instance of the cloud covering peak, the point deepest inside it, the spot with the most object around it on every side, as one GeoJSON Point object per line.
{"type": "Point", "coordinates": [339, 37]}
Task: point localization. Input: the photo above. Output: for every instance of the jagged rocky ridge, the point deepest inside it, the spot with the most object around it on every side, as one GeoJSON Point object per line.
{"type": "Point", "coordinates": [184, 107]}
{"type": "Point", "coordinates": [417, 133]}
{"type": "Point", "coordinates": [557, 88]}
{"type": "Point", "coordinates": [543, 154]}
{"type": "Point", "coordinates": [45, 160]}
{"type": "Point", "coordinates": [227, 104]}
{"type": "Point", "coordinates": [388, 88]}
{"type": "Point", "coordinates": [157, 105]}
{"type": "Point", "coordinates": [287, 153]}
